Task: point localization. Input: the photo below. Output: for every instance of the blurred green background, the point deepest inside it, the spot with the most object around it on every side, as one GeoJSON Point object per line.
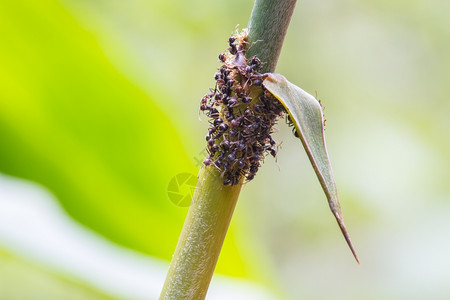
{"type": "Point", "coordinates": [99, 111]}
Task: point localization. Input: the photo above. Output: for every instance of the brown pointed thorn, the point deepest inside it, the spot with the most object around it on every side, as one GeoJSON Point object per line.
{"type": "Point", "coordinates": [344, 231]}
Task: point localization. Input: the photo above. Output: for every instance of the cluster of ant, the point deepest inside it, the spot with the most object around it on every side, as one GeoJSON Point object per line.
{"type": "Point", "coordinates": [242, 115]}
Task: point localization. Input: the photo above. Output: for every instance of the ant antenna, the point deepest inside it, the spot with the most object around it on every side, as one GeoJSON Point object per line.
{"type": "Point", "coordinates": [235, 29]}
{"type": "Point", "coordinates": [279, 146]}
{"type": "Point", "coordinates": [245, 84]}
{"type": "Point", "coordinates": [214, 164]}
{"type": "Point", "coordinates": [276, 162]}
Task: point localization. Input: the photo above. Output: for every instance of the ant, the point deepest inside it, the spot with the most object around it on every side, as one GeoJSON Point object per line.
{"type": "Point", "coordinates": [207, 161]}
{"type": "Point", "coordinates": [233, 50]}
{"type": "Point", "coordinates": [246, 100]}
{"type": "Point", "coordinates": [239, 91]}
{"type": "Point", "coordinates": [213, 113]}
{"type": "Point", "coordinates": [259, 108]}
{"type": "Point", "coordinates": [273, 152]}
{"type": "Point", "coordinates": [291, 124]}
{"type": "Point", "coordinates": [238, 143]}
{"type": "Point", "coordinates": [225, 145]}
{"type": "Point", "coordinates": [223, 127]}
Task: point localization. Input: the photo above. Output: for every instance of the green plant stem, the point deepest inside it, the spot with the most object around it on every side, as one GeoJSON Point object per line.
{"type": "Point", "coordinates": [202, 237]}
{"type": "Point", "coordinates": [212, 206]}
{"type": "Point", "coordinates": [267, 28]}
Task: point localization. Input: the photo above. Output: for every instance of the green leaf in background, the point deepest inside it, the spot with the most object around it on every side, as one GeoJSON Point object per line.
{"type": "Point", "coordinates": [72, 122]}
{"type": "Point", "coordinates": [306, 114]}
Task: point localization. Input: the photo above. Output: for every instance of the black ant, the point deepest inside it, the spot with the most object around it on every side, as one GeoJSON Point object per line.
{"type": "Point", "coordinates": [232, 102]}
{"type": "Point", "coordinates": [210, 142]}
{"type": "Point", "coordinates": [223, 127]}
{"type": "Point", "coordinates": [225, 145]}
{"type": "Point", "coordinates": [212, 130]}
{"type": "Point", "coordinates": [240, 134]}
{"type": "Point", "coordinates": [214, 148]}
{"type": "Point", "coordinates": [255, 62]}
{"type": "Point", "coordinates": [207, 161]}
{"type": "Point", "coordinates": [233, 50]}
{"type": "Point", "coordinates": [239, 90]}
{"type": "Point", "coordinates": [259, 108]}
{"type": "Point", "coordinates": [273, 152]}
{"type": "Point", "coordinates": [213, 113]}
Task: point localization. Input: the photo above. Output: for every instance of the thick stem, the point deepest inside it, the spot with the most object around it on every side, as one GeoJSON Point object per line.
{"type": "Point", "coordinates": [202, 237]}
{"type": "Point", "coordinates": [267, 28]}
{"type": "Point", "coordinates": [212, 206]}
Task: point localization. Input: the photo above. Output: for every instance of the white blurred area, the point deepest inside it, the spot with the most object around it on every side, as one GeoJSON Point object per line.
{"type": "Point", "coordinates": [34, 227]}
